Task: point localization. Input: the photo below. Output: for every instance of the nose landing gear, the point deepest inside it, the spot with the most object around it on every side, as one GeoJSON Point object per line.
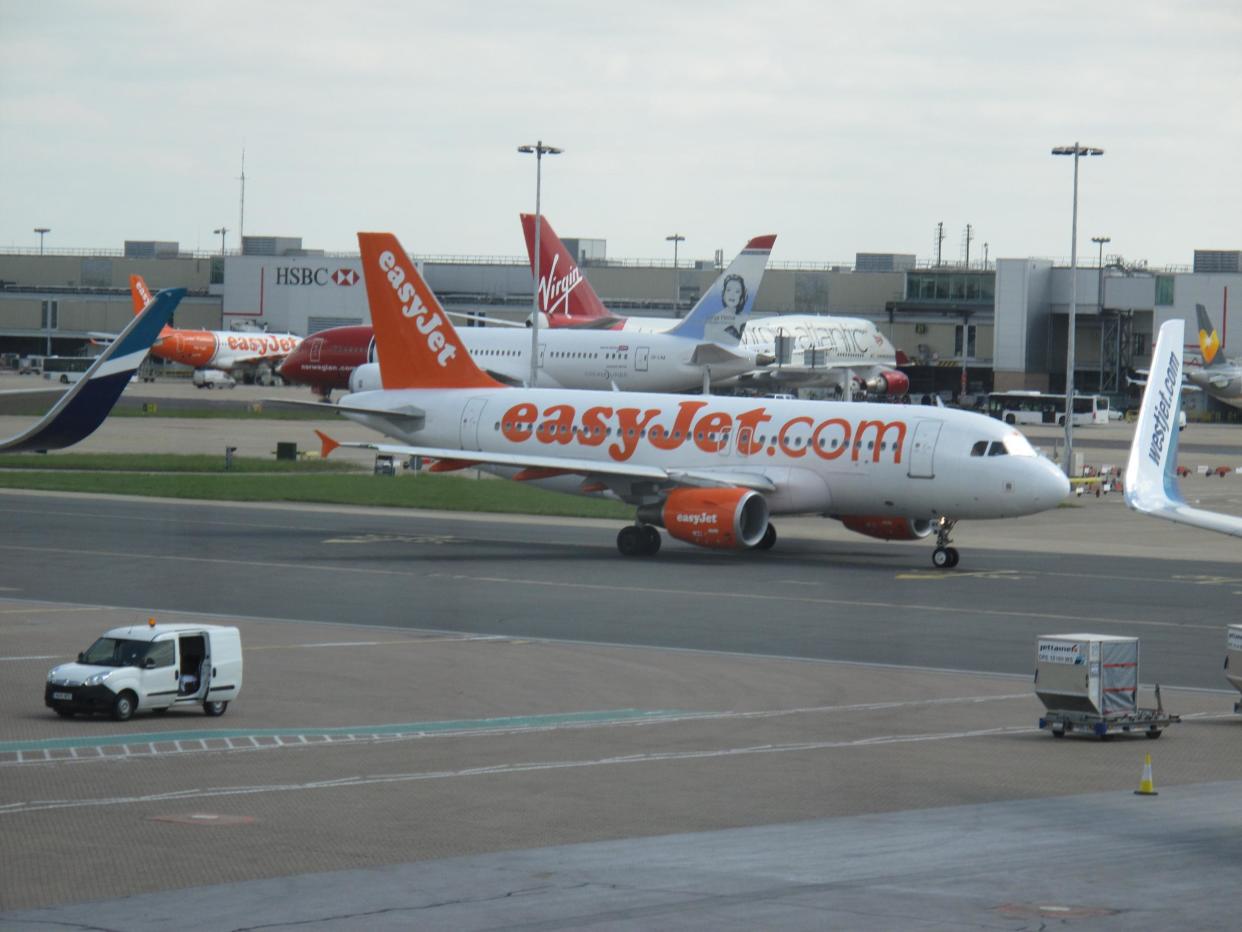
{"type": "Point", "coordinates": [944, 557]}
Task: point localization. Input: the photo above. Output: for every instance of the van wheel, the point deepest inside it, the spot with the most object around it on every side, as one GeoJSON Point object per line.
{"type": "Point", "coordinates": [123, 706]}
{"type": "Point", "coordinates": [215, 709]}
{"type": "Point", "coordinates": [65, 713]}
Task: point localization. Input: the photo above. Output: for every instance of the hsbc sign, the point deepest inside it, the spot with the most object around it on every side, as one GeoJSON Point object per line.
{"type": "Point", "coordinates": [300, 275]}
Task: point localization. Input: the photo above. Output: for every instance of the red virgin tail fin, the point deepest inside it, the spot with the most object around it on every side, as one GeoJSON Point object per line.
{"type": "Point", "coordinates": [416, 344]}
{"type": "Point", "coordinates": [565, 295]}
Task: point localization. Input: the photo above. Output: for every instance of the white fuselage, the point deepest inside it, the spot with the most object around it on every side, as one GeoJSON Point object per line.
{"type": "Point", "coordinates": [1222, 382]}
{"type": "Point", "coordinates": [822, 457]}
{"type": "Point", "coordinates": [820, 342]}
{"type": "Point", "coordinates": [589, 359]}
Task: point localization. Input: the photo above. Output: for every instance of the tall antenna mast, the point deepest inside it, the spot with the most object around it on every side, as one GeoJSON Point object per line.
{"type": "Point", "coordinates": [241, 224]}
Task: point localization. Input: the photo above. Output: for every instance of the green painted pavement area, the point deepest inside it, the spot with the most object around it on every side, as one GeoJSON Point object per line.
{"type": "Point", "coordinates": [604, 717]}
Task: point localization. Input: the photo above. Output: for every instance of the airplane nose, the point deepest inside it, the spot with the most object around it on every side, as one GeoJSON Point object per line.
{"type": "Point", "coordinates": [1053, 485]}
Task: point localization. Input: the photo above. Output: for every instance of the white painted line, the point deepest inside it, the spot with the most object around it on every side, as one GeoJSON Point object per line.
{"type": "Point", "coordinates": [35, 657]}
{"type": "Point", "coordinates": [507, 769]}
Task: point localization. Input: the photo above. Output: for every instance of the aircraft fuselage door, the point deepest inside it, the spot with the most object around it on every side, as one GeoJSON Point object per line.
{"type": "Point", "coordinates": [923, 450]}
{"type": "Point", "coordinates": [640, 358]}
{"type": "Point", "coordinates": [316, 349]}
{"type": "Point", "coordinates": [470, 423]}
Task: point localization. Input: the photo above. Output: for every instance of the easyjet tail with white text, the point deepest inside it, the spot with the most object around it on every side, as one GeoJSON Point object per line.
{"type": "Point", "coordinates": [710, 470]}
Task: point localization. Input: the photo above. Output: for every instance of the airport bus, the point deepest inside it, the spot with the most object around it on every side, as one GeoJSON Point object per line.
{"type": "Point", "coordinates": [1027, 407]}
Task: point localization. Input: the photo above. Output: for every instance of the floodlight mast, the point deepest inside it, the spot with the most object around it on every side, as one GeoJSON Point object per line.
{"type": "Point", "coordinates": [539, 150]}
{"type": "Point", "coordinates": [1077, 150]}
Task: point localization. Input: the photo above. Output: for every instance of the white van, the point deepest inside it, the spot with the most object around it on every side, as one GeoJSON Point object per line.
{"type": "Point", "coordinates": [155, 667]}
{"type": "Point", "coordinates": [212, 378]}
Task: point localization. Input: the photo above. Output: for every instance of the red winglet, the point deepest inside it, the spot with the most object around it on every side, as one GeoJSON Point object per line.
{"type": "Point", "coordinates": [327, 444]}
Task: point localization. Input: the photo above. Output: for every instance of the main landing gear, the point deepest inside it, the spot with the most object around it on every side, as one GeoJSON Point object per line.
{"type": "Point", "coordinates": [638, 540]}
{"type": "Point", "coordinates": [944, 557]}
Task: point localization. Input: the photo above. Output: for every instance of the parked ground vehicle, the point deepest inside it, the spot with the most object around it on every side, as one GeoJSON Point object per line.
{"type": "Point", "coordinates": [213, 378]}
{"type": "Point", "coordinates": [155, 667]}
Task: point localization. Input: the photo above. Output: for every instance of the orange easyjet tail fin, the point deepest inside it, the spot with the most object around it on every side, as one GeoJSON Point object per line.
{"type": "Point", "coordinates": [326, 444]}
{"type": "Point", "coordinates": [416, 344]}
{"type": "Point", "coordinates": [141, 296]}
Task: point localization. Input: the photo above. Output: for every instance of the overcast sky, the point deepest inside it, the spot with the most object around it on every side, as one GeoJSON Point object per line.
{"type": "Point", "coordinates": [841, 127]}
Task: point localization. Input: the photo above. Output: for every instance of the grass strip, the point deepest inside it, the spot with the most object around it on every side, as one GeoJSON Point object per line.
{"type": "Point", "coordinates": [171, 462]}
{"type": "Point", "coordinates": [449, 493]}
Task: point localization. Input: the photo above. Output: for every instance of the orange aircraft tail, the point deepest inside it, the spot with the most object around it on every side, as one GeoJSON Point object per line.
{"type": "Point", "coordinates": [416, 344]}
{"type": "Point", "coordinates": [141, 296]}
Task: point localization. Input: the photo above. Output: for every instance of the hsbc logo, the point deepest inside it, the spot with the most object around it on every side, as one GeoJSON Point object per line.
{"type": "Point", "coordinates": [300, 275]}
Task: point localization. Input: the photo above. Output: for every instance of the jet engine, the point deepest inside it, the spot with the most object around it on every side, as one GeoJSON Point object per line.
{"type": "Point", "coordinates": [888, 382]}
{"type": "Point", "coordinates": [544, 323]}
{"type": "Point", "coordinates": [889, 528]}
{"type": "Point", "coordinates": [722, 519]}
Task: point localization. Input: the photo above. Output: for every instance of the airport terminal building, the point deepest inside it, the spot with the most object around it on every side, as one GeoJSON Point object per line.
{"type": "Point", "coordinates": [984, 326]}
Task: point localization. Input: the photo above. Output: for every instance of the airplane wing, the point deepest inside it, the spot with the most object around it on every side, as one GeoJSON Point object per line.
{"type": "Point", "coordinates": [1150, 483]}
{"type": "Point", "coordinates": [698, 478]}
{"type": "Point", "coordinates": [84, 407]}
{"type": "Point", "coordinates": [710, 354]}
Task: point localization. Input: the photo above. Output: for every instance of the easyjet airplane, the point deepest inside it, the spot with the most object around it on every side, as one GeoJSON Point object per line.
{"type": "Point", "coordinates": [711, 470]}
{"type": "Point", "coordinates": [701, 345]}
{"type": "Point", "coordinates": [844, 352]}
{"type": "Point", "coordinates": [253, 354]}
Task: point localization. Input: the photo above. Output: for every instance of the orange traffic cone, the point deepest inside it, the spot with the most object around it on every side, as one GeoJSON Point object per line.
{"type": "Point", "coordinates": [1146, 786]}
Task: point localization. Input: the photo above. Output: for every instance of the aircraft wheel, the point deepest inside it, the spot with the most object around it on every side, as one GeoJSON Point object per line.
{"type": "Point", "coordinates": [651, 540]}
{"type": "Point", "coordinates": [630, 541]}
{"type": "Point", "coordinates": [768, 541]}
{"type": "Point", "coordinates": [941, 559]}
{"type": "Point", "coordinates": [954, 556]}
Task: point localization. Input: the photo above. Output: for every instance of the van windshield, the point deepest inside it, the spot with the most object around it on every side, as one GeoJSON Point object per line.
{"type": "Point", "coordinates": [117, 652]}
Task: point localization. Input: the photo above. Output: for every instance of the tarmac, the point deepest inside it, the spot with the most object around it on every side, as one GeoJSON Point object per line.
{"type": "Point", "coordinates": [476, 722]}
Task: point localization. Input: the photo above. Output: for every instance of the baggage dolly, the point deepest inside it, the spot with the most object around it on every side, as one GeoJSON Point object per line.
{"type": "Point", "coordinates": [1151, 722]}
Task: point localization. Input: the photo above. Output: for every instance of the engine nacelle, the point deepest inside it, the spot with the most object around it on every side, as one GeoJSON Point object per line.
{"type": "Point", "coordinates": [888, 382]}
{"type": "Point", "coordinates": [544, 323]}
{"type": "Point", "coordinates": [722, 519]}
{"type": "Point", "coordinates": [366, 378]}
{"type": "Point", "coordinates": [889, 528]}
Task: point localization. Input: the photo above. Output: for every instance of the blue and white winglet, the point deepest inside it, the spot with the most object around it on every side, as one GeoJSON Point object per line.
{"type": "Point", "coordinates": [1150, 481]}
{"type": "Point", "coordinates": [83, 408]}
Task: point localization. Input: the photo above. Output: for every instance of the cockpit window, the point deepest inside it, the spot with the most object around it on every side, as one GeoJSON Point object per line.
{"type": "Point", "coordinates": [979, 448]}
{"type": "Point", "coordinates": [997, 449]}
{"type": "Point", "coordinates": [1017, 445]}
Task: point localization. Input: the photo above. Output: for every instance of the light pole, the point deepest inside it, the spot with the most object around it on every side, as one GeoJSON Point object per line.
{"type": "Point", "coordinates": [540, 150]}
{"type": "Point", "coordinates": [220, 233]}
{"type": "Point", "coordinates": [1077, 150]}
{"type": "Point", "coordinates": [42, 231]}
{"type": "Point", "coordinates": [675, 239]}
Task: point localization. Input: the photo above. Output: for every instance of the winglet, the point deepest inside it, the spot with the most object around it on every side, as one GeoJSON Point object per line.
{"type": "Point", "coordinates": [83, 408]}
{"type": "Point", "coordinates": [1150, 483]}
{"type": "Point", "coordinates": [720, 315]}
{"type": "Point", "coordinates": [327, 444]}
{"type": "Point", "coordinates": [416, 342]}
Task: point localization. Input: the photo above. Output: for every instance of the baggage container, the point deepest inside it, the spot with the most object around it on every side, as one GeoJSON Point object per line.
{"type": "Point", "coordinates": [1089, 685]}
{"type": "Point", "coordinates": [1094, 674]}
{"type": "Point", "coordinates": [1233, 660]}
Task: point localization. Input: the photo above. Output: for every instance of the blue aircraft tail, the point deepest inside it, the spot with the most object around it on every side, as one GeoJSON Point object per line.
{"type": "Point", "coordinates": [720, 315]}
{"type": "Point", "coordinates": [83, 408]}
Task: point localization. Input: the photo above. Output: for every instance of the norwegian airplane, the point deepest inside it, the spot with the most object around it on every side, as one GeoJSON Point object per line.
{"type": "Point", "coordinates": [840, 352]}
{"type": "Point", "coordinates": [700, 346]}
{"type": "Point", "coordinates": [1150, 481]}
{"type": "Point", "coordinates": [711, 470]}
{"type": "Point", "coordinates": [255, 355]}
